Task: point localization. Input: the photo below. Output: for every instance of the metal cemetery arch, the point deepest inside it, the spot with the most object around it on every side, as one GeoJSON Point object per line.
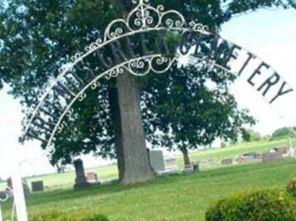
{"type": "Point", "coordinates": [45, 119]}
{"type": "Point", "coordinates": [143, 26]}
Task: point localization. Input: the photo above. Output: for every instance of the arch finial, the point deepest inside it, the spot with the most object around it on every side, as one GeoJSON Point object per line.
{"type": "Point", "coordinates": [139, 2]}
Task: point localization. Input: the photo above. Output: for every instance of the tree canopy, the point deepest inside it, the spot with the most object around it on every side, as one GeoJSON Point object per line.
{"type": "Point", "coordinates": [39, 36]}
{"type": "Point", "coordinates": [283, 132]}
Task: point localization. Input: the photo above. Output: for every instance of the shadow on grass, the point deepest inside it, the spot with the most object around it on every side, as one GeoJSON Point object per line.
{"type": "Point", "coordinates": [103, 190]}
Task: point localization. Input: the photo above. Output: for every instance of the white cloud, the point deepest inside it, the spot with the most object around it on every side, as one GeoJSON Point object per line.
{"type": "Point", "coordinates": [275, 42]}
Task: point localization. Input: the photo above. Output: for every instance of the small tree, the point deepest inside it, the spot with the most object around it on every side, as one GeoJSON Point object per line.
{"type": "Point", "coordinates": [194, 107]}
{"type": "Point", "coordinates": [246, 136]}
{"type": "Point", "coordinates": [249, 135]}
{"type": "Point", "coordinates": [282, 132]}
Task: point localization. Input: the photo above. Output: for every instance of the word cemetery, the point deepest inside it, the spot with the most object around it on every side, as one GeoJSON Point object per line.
{"type": "Point", "coordinates": [235, 59]}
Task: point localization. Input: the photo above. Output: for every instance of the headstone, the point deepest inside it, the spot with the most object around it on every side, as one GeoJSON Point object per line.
{"type": "Point", "coordinates": [162, 163]}
{"type": "Point", "coordinates": [240, 160]}
{"type": "Point", "coordinates": [9, 183]}
{"type": "Point", "coordinates": [188, 168]}
{"type": "Point", "coordinates": [211, 161]}
{"type": "Point", "coordinates": [284, 151]}
{"type": "Point", "coordinates": [226, 161]}
{"type": "Point", "coordinates": [92, 177]}
{"type": "Point", "coordinates": [37, 186]}
{"type": "Point", "coordinates": [275, 154]}
{"type": "Point", "coordinates": [157, 161]}
{"type": "Point", "coordinates": [258, 156]}
{"type": "Point", "coordinates": [291, 152]}
{"type": "Point", "coordinates": [196, 167]}
{"type": "Point", "coordinates": [170, 164]}
{"type": "Point", "coordinates": [269, 157]}
{"type": "Point", "coordinates": [249, 156]}
{"type": "Point", "coordinates": [80, 180]}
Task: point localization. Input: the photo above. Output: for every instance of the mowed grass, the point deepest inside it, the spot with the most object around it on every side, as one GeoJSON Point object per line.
{"type": "Point", "coordinates": [178, 197]}
{"type": "Point", "coordinates": [173, 198]}
{"type": "Point", "coordinates": [66, 180]}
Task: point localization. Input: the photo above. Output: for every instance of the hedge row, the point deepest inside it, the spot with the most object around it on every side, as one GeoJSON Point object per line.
{"type": "Point", "coordinates": [291, 188]}
{"type": "Point", "coordinates": [263, 205]}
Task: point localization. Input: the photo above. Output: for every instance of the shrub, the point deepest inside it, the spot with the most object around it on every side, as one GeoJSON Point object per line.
{"type": "Point", "coordinates": [291, 188]}
{"type": "Point", "coordinates": [70, 216]}
{"type": "Point", "coordinates": [264, 205]}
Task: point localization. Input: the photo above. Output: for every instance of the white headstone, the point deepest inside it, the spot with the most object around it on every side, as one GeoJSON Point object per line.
{"type": "Point", "coordinates": [162, 163]}
{"type": "Point", "coordinates": [157, 160]}
{"type": "Point", "coordinates": [170, 164]}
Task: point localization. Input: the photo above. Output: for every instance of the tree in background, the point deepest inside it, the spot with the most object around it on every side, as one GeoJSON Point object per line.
{"type": "Point", "coordinates": [246, 135]}
{"type": "Point", "coordinates": [37, 37]}
{"type": "Point", "coordinates": [193, 107]}
{"type": "Point", "coordinates": [283, 132]}
{"type": "Point", "coordinates": [249, 135]}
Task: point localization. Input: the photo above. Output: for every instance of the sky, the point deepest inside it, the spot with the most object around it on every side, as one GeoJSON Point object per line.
{"type": "Point", "coordinates": [270, 34]}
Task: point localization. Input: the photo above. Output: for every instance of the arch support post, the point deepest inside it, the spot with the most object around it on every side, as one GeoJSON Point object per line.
{"type": "Point", "coordinates": [1, 217]}
{"type": "Point", "coordinates": [19, 197]}
{"type": "Point", "coordinates": [16, 178]}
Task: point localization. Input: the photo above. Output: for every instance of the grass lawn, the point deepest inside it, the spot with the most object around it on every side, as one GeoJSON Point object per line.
{"type": "Point", "coordinates": [66, 180]}
{"type": "Point", "coordinates": [173, 198]}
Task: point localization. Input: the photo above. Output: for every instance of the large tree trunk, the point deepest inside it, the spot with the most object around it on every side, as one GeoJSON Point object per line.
{"type": "Point", "coordinates": [136, 163]}
{"type": "Point", "coordinates": [186, 158]}
{"type": "Point", "coordinates": [115, 116]}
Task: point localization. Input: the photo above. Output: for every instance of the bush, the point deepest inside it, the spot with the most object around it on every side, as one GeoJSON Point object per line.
{"type": "Point", "coordinates": [70, 216]}
{"type": "Point", "coordinates": [265, 205]}
{"type": "Point", "coordinates": [291, 188]}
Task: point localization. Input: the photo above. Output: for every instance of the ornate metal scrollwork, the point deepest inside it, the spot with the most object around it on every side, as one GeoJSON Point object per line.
{"type": "Point", "coordinates": [142, 19]}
